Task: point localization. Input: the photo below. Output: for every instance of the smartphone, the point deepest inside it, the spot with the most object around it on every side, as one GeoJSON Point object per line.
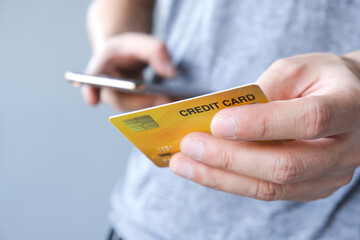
{"type": "Point", "coordinates": [152, 87]}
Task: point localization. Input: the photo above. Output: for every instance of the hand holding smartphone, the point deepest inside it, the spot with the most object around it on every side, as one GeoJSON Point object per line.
{"type": "Point", "coordinates": [150, 87]}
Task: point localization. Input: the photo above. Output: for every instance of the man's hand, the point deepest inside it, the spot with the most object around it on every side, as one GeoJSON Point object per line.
{"type": "Point", "coordinates": [125, 56]}
{"type": "Point", "coordinates": [120, 35]}
{"type": "Point", "coordinates": [315, 100]}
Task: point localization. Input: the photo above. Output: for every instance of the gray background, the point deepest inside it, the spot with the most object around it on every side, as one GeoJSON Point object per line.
{"type": "Point", "coordinates": [59, 159]}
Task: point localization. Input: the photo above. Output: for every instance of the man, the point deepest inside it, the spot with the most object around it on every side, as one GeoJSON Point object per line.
{"type": "Point", "coordinates": [215, 45]}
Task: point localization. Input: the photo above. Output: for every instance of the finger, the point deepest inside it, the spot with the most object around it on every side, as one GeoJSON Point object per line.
{"type": "Point", "coordinates": [292, 77]}
{"type": "Point", "coordinates": [323, 114]}
{"type": "Point", "coordinates": [132, 48]}
{"type": "Point", "coordinates": [250, 187]}
{"type": "Point", "coordinates": [282, 163]}
{"type": "Point", "coordinates": [302, 118]}
{"type": "Point", "coordinates": [90, 94]}
{"type": "Point", "coordinates": [128, 101]}
{"type": "Point", "coordinates": [214, 178]}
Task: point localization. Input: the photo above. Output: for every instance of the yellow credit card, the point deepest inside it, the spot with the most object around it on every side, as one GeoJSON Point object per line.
{"type": "Point", "coordinates": [157, 131]}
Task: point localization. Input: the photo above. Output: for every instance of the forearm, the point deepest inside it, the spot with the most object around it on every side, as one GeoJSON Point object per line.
{"type": "Point", "coordinates": [107, 18]}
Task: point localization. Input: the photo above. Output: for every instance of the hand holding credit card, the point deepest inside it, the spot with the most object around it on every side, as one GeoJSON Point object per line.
{"type": "Point", "coordinates": [157, 131]}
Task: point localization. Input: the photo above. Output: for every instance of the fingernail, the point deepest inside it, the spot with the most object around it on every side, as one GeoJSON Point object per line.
{"type": "Point", "coordinates": [192, 148]}
{"type": "Point", "coordinates": [183, 169]}
{"type": "Point", "coordinates": [224, 127]}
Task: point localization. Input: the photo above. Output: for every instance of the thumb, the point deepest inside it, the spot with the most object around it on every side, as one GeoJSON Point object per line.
{"type": "Point", "coordinates": [302, 118]}
{"type": "Point", "coordinates": [285, 79]}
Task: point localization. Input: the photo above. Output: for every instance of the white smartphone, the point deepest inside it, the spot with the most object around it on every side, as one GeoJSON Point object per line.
{"type": "Point", "coordinates": [130, 85]}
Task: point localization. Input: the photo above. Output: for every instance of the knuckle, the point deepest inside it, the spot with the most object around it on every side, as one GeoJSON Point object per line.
{"type": "Point", "coordinates": [159, 47]}
{"type": "Point", "coordinates": [288, 168]}
{"type": "Point", "coordinates": [323, 195]}
{"type": "Point", "coordinates": [290, 64]}
{"type": "Point", "coordinates": [348, 179]}
{"type": "Point", "coordinates": [267, 191]}
{"type": "Point", "coordinates": [127, 35]}
{"type": "Point", "coordinates": [212, 181]}
{"type": "Point", "coordinates": [345, 180]}
{"type": "Point", "coordinates": [332, 57]}
{"type": "Point", "coordinates": [317, 120]}
{"type": "Point", "coordinates": [226, 160]}
{"type": "Point", "coordinates": [264, 129]}
{"type": "Point", "coordinates": [280, 63]}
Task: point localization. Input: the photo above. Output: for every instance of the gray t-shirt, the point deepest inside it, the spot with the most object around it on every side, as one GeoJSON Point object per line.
{"type": "Point", "coordinates": [218, 44]}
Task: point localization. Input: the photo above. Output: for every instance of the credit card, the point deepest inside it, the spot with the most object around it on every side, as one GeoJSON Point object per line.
{"type": "Point", "coordinates": [157, 131]}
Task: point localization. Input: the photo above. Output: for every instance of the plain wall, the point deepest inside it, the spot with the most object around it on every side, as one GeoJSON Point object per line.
{"type": "Point", "coordinates": [59, 158]}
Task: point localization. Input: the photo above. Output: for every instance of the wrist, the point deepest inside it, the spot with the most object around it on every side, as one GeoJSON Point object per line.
{"type": "Point", "coordinates": [109, 18]}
